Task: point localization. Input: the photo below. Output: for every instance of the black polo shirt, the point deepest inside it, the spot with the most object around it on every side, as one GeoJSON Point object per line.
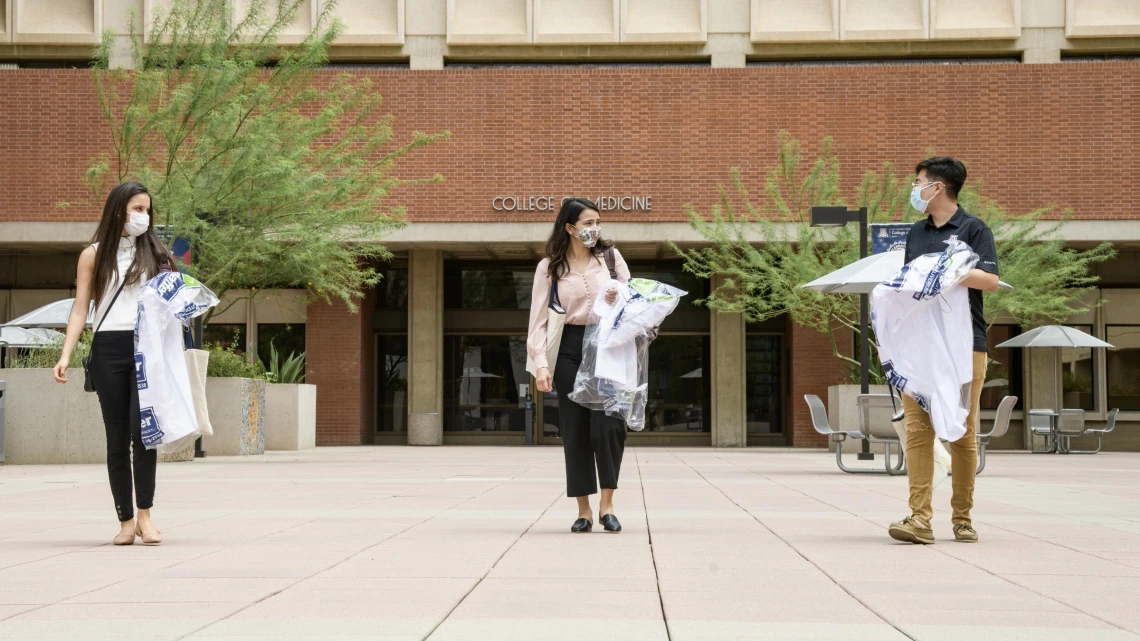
{"type": "Point", "coordinates": [925, 238]}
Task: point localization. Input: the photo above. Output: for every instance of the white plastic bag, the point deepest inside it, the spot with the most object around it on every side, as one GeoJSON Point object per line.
{"type": "Point", "coordinates": [614, 374]}
{"type": "Point", "coordinates": [167, 302]}
{"type": "Point", "coordinates": [921, 319]}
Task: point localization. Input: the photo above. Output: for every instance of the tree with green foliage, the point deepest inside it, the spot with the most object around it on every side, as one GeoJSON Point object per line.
{"type": "Point", "coordinates": [276, 174]}
{"type": "Point", "coordinates": [765, 249]}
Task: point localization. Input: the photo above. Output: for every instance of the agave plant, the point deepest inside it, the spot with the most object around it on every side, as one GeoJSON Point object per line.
{"type": "Point", "coordinates": [291, 371]}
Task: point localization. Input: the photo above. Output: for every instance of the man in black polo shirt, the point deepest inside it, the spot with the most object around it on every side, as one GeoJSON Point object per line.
{"type": "Point", "coordinates": [935, 192]}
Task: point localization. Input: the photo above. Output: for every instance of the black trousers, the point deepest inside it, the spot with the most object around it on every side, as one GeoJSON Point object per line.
{"type": "Point", "coordinates": [113, 372]}
{"type": "Point", "coordinates": [588, 436]}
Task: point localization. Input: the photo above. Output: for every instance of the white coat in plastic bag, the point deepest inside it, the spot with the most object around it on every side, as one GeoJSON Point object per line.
{"type": "Point", "coordinates": [167, 302]}
{"type": "Point", "coordinates": [922, 322]}
{"type": "Point", "coordinates": [614, 374]}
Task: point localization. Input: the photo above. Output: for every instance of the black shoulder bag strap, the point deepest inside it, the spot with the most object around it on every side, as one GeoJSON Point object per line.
{"type": "Point", "coordinates": [88, 382]}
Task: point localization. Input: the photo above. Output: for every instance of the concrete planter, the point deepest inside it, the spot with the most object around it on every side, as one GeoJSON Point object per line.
{"type": "Point", "coordinates": [237, 412]}
{"type": "Point", "coordinates": [843, 414]}
{"type": "Point", "coordinates": [52, 424]}
{"type": "Point", "coordinates": [290, 417]}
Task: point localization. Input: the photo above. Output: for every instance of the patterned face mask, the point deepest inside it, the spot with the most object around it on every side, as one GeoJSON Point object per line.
{"type": "Point", "coordinates": [590, 235]}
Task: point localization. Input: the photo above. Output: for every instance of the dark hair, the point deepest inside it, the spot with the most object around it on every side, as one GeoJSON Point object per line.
{"type": "Point", "coordinates": [949, 171]}
{"type": "Point", "coordinates": [150, 253]}
{"type": "Point", "coordinates": [559, 242]}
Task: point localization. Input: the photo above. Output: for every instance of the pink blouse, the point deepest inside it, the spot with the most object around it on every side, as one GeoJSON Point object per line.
{"type": "Point", "coordinates": [576, 292]}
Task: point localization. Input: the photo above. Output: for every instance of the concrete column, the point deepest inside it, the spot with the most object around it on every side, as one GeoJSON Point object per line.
{"type": "Point", "coordinates": [425, 347]}
{"type": "Point", "coordinates": [1040, 56]}
{"type": "Point", "coordinates": [1042, 383]}
{"type": "Point", "coordinates": [727, 378]}
{"type": "Point", "coordinates": [425, 52]}
{"type": "Point", "coordinates": [728, 49]}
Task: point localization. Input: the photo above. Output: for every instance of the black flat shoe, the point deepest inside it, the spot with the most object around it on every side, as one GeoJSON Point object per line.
{"type": "Point", "coordinates": [581, 525]}
{"type": "Point", "coordinates": [610, 523]}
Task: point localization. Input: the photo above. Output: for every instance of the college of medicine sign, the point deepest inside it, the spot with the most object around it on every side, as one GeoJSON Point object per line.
{"type": "Point", "coordinates": [553, 203]}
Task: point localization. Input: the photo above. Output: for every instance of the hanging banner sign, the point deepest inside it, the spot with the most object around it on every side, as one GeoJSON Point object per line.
{"type": "Point", "coordinates": [887, 237]}
{"type": "Point", "coordinates": [554, 203]}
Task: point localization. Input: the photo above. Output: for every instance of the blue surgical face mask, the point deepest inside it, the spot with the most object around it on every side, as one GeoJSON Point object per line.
{"type": "Point", "coordinates": [916, 200]}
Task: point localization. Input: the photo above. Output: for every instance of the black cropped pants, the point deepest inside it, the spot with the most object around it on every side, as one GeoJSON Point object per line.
{"type": "Point", "coordinates": [589, 437]}
{"type": "Point", "coordinates": [113, 372]}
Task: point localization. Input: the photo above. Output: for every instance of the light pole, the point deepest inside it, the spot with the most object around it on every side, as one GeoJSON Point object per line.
{"type": "Point", "coordinates": [837, 217]}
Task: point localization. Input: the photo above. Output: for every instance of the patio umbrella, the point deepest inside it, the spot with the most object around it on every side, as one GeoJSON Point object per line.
{"type": "Point", "coordinates": [53, 315]}
{"type": "Point", "coordinates": [28, 338]}
{"type": "Point", "coordinates": [20, 338]}
{"type": "Point", "coordinates": [862, 276]}
{"type": "Point", "coordinates": [1057, 337]}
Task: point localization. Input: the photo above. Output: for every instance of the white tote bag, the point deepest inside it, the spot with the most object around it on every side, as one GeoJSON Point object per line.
{"type": "Point", "coordinates": [555, 320]}
{"type": "Point", "coordinates": [197, 361]}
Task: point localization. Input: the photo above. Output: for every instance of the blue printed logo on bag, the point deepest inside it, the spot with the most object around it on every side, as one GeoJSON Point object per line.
{"type": "Point", "coordinates": [151, 433]}
{"type": "Point", "coordinates": [168, 285]}
{"type": "Point", "coordinates": [190, 310]}
{"type": "Point", "coordinates": [140, 370]}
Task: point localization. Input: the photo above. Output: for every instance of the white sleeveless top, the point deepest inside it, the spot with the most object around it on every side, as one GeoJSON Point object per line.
{"type": "Point", "coordinates": [123, 314]}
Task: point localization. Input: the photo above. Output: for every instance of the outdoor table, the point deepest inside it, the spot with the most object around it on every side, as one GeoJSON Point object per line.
{"type": "Point", "coordinates": [1052, 426]}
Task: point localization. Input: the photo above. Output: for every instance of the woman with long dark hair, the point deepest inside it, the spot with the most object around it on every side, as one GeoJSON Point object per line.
{"type": "Point", "coordinates": [124, 254]}
{"type": "Point", "coordinates": [575, 261]}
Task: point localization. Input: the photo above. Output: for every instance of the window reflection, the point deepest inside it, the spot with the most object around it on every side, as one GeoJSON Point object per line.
{"type": "Point", "coordinates": [1003, 372]}
{"type": "Point", "coordinates": [491, 287]}
{"type": "Point", "coordinates": [225, 336]}
{"type": "Point", "coordinates": [392, 290]}
{"type": "Point", "coordinates": [482, 375]}
{"type": "Point", "coordinates": [1078, 380]}
{"type": "Point", "coordinates": [763, 384]}
{"type": "Point", "coordinates": [679, 391]}
{"type": "Point", "coordinates": [287, 339]}
{"type": "Point", "coordinates": [1123, 367]}
{"type": "Point", "coordinates": [391, 383]}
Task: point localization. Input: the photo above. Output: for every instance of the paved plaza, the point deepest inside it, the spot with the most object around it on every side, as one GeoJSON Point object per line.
{"type": "Point", "coordinates": [473, 543]}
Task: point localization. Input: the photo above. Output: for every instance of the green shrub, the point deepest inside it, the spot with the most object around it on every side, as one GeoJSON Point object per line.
{"type": "Point", "coordinates": [47, 357]}
{"type": "Point", "coordinates": [227, 363]}
{"type": "Point", "coordinates": [291, 371]}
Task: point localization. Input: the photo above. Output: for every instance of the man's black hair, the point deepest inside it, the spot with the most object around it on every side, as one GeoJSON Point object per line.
{"type": "Point", "coordinates": [946, 170]}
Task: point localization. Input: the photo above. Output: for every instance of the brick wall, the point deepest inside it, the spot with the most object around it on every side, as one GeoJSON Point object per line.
{"type": "Point", "coordinates": [1037, 134]}
{"type": "Point", "coordinates": [337, 361]}
{"type": "Point", "coordinates": [813, 369]}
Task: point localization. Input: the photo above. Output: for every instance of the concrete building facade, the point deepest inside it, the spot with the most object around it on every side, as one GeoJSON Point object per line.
{"type": "Point", "coordinates": [645, 105]}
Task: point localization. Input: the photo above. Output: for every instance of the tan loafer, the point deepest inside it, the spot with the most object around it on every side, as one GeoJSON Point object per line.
{"type": "Point", "coordinates": [153, 538]}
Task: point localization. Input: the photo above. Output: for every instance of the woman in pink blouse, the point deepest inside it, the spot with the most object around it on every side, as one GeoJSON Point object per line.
{"type": "Point", "coordinates": [575, 260]}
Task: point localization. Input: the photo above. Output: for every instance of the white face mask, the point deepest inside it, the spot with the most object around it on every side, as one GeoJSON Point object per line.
{"type": "Point", "coordinates": [137, 224]}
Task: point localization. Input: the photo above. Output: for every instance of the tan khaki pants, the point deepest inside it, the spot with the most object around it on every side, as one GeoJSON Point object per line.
{"type": "Point", "coordinates": [963, 452]}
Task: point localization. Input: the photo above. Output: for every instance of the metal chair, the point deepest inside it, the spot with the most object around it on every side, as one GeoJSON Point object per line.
{"type": "Point", "coordinates": [1070, 425]}
{"type": "Point", "coordinates": [823, 426]}
{"type": "Point", "coordinates": [1000, 427]}
{"type": "Point", "coordinates": [875, 414]}
{"type": "Point", "coordinates": [1110, 424]}
{"type": "Point", "coordinates": [1041, 424]}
